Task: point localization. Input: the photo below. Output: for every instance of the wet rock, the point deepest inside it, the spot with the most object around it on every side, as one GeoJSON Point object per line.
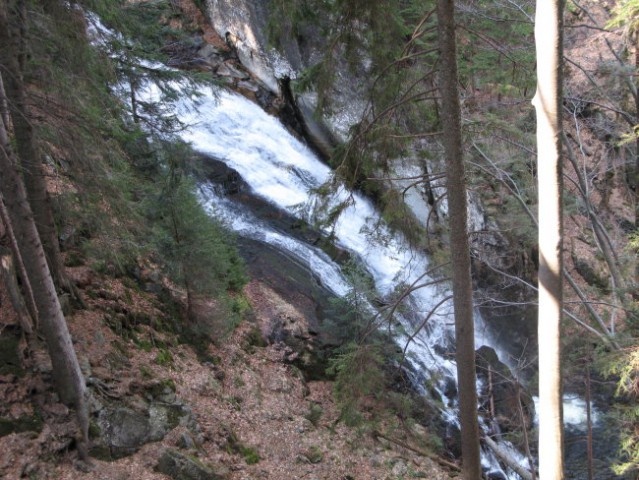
{"type": "Point", "coordinates": [183, 467]}
{"type": "Point", "coordinates": [227, 70]}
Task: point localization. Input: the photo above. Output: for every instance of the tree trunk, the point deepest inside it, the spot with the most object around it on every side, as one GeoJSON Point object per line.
{"type": "Point", "coordinates": [505, 457]}
{"type": "Point", "coordinates": [462, 283]}
{"type": "Point", "coordinates": [547, 102]}
{"type": "Point", "coordinates": [589, 446]}
{"type": "Point", "coordinates": [67, 376]}
{"type": "Point", "coordinates": [636, 95]}
{"type": "Point", "coordinates": [8, 276]}
{"type": "Point", "coordinates": [15, 251]}
{"type": "Point", "coordinates": [12, 32]}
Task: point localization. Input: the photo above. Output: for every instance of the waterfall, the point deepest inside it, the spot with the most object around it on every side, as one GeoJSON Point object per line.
{"type": "Point", "coordinates": [284, 172]}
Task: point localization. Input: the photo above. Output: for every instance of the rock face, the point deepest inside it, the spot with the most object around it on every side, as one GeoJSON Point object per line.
{"type": "Point", "coordinates": [503, 399]}
{"type": "Point", "coordinates": [242, 24]}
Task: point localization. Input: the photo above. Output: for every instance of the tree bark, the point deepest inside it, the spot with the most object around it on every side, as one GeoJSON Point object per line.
{"type": "Point", "coordinates": [547, 102]}
{"type": "Point", "coordinates": [636, 95]}
{"type": "Point", "coordinates": [450, 116]}
{"type": "Point", "coordinates": [67, 376]}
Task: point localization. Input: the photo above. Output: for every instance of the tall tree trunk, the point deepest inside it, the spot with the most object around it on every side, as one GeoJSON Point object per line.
{"type": "Point", "coordinates": [547, 102]}
{"type": "Point", "coordinates": [12, 37]}
{"type": "Point", "coordinates": [67, 375]}
{"type": "Point", "coordinates": [450, 115]}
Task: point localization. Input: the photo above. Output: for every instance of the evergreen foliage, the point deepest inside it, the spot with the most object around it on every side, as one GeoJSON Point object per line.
{"type": "Point", "coordinates": [625, 367]}
{"type": "Point", "coordinates": [128, 195]}
{"type": "Point", "coordinates": [195, 248]}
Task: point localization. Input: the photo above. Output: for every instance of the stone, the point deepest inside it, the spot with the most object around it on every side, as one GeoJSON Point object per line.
{"type": "Point", "coordinates": [507, 392]}
{"type": "Point", "coordinates": [123, 431]}
{"type": "Point", "coordinates": [186, 442]}
{"type": "Point", "coordinates": [226, 70]}
{"type": "Point", "coordinates": [183, 467]}
{"type": "Point", "coordinates": [10, 362]}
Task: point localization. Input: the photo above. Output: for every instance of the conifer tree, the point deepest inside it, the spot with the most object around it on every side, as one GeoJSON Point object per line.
{"type": "Point", "coordinates": [13, 55]}
{"type": "Point", "coordinates": [68, 378]}
{"type": "Point", "coordinates": [460, 251]}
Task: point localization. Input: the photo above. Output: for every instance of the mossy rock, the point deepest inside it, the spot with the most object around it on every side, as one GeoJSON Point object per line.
{"type": "Point", "coordinates": [123, 431]}
{"type": "Point", "coordinates": [185, 467]}
{"type": "Point", "coordinates": [31, 423]}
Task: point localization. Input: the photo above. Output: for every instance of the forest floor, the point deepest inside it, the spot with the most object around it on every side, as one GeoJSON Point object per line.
{"type": "Point", "coordinates": [255, 416]}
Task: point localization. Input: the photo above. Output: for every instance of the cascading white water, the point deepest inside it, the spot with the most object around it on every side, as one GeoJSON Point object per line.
{"type": "Point", "coordinates": [284, 172]}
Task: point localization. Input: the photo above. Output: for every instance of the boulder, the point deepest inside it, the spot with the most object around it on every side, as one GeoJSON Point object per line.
{"type": "Point", "coordinates": [183, 467]}
{"type": "Point", "coordinates": [122, 429]}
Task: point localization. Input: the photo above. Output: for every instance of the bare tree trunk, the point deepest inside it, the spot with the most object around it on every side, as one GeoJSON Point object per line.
{"type": "Point", "coordinates": [462, 282]}
{"type": "Point", "coordinates": [636, 172]}
{"type": "Point", "coordinates": [547, 102]}
{"type": "Point", "coordinates": [522, 419]}
{"type": "Point", "coordinates": [636, 95]}
{"type": "Point", "coordinates": [67, 375]}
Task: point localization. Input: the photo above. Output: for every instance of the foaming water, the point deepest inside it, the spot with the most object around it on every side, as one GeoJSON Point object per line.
{"type": "Point", "coordinates": [284, 172]}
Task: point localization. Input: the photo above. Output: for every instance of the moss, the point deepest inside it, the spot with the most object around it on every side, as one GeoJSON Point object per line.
{"type": "Point", "coordinates": [144, 345]}
{"type": "Point", "coordinates": [161, 388]}
{"type": "Point", "coordinates": [254, 338]}
{"type": "Point", "coordinates": [101, 452]}
{"type": "Point", "coordinates": [94, 430]}
{"type": "Point", "coordinates": [251, 457]}
{"type": "Point", "coordinates": [233, 445]}
{"type": "Point", "coordinates": [314, 454]}
{"type": "Point", "coordinates": [314, 413]}
{"type": "Point", "coordinates": [32, 423]}
{"type": "Point", "coordinates": [164, 358]}
{"type": "Point", "coordinates": [175, 415]}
